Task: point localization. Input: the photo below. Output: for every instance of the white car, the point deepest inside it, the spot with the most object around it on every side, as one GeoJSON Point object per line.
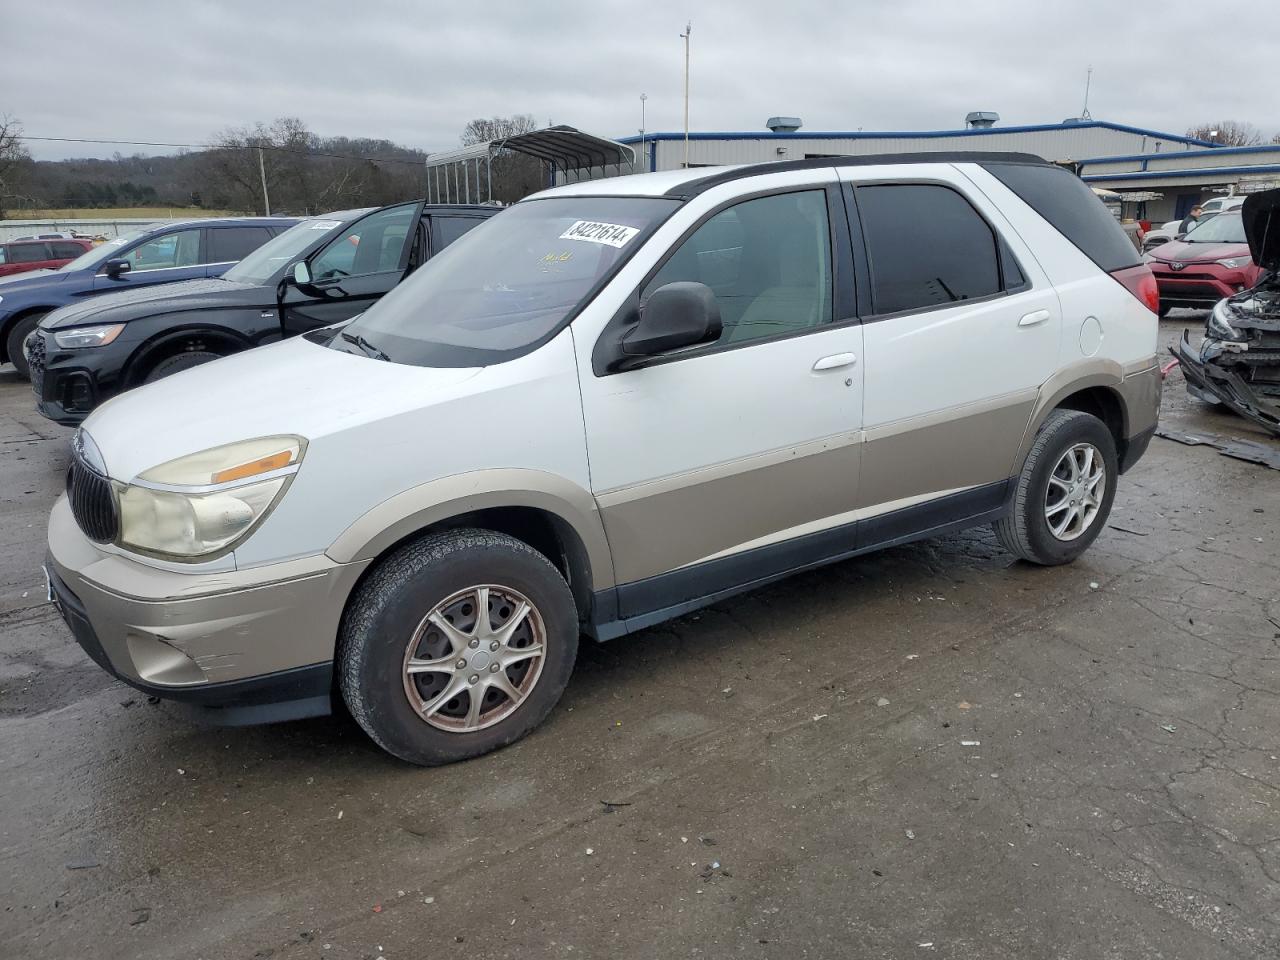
{"type": "Point", "coordinates": [613, 403]}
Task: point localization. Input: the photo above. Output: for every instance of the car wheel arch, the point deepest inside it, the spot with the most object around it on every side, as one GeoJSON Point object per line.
{"type": "Point", "coordinates": [549, 513]}
{"type": "Point", "coordinates": [13, 320]}
{"type": "Point", "coordinates": [1092, 387]}
{"type": "Point", "coordinates": [170, 342]}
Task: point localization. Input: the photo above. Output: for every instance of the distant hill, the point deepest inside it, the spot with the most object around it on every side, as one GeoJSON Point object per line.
{"type": "Point", "coordinates": [323, 174]}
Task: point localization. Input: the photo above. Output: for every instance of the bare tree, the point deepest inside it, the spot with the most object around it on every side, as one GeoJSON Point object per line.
{"type": "Point", "coordinates": [482, 130]}
{"type": "Point", "coordinates": [15, 159]}
{"type": "Point", "coordinates": [1227, 133]}
{"type": "Point", "coordinates": [514, 175]}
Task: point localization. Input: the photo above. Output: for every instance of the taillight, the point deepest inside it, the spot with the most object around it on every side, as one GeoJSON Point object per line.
{"type": "Point", "coordinates": [1141, 282]}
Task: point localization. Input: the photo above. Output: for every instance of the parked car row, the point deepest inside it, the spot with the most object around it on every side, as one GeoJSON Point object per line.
{"type": "Point", "coordinates": [164, 254]}
{"type": "Point", "coordinates": [613, 403]}
{"type": "Point", "coordinates": [318, 272]}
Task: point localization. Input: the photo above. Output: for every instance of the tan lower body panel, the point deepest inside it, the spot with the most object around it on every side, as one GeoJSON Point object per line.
{"type": "Point", "coordinates": [662, 525]}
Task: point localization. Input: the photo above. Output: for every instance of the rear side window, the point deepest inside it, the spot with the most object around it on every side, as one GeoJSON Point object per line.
{"type": "Point", "coordinates": [66, 251]}
{"type": "Point", "coordinates": [28, 252]}
{"type": "Point", "coordinates": [927, 247]}
{"type": "Point", "coordinates": [228, 244]}
{"type": "Point", "coordinates": [445, 230]}
{"type": "Point", "coordinates": [1072, 208]}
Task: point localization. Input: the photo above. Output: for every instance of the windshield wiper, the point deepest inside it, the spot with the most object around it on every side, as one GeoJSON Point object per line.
{"type": "Point", "coordinates": [365, 345]}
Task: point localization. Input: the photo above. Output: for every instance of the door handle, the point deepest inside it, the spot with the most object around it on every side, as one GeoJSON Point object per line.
{"type": "Point", "coordinates": [836, 361]}
{"type": "Point", "coordinates": [1031, 319]}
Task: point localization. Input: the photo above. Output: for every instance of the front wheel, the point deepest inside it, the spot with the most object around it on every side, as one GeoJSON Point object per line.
{"type": "Point", "coordinates": [455, 645]}
{"type": "Point", "coordinates": [18, 334]}
{"type": "Point", "coordinates": [179, 362]}
{"type": "Point", "coordinates": [1064, 492]}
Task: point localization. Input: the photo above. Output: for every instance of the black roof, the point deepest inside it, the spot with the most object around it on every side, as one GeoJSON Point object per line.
{"type": "Point", "coordinates": [692, 188]}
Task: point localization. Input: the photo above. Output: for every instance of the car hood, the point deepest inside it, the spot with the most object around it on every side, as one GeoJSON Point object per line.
{"type": "Point", "coordinates": [1261, 213]}
{"type": "Point", "coordinates": [1185, 252]}
{"type": "Point", "coordinates": [125, 305]}
{"type": "Point", "coordinates": [31, 280]}
{"type": "Point", "coordinates": [291, 387]}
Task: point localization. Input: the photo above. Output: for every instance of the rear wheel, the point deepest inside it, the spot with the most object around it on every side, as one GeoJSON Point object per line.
{"type": "Point", "coordinates": [455, 645]}
{"type": "Point", "coordinates": [1064, 492]}
{"type": "Point", "coordinates": [179, 362]}
{"type": "Point", "coordinates": [18, 334]}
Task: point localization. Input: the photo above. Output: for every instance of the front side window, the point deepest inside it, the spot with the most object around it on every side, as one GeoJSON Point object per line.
{"type": "Point", "coordinates": [927, 247]}
{"type": "Point", "coordinates": [179, 249]}
{"type": "Point", "coordinates": [371, 245]}
{"type": "Point", "coordinates": [767, 260]}
{"type": "Point", "coordinates": [507, 284]}
{"type": "Point", "coordinates": [285, 249]}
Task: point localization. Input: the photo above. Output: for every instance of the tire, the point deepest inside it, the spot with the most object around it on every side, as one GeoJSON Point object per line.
{"type": "Point", "coordinates": [179, 362]}
{"type": "Point", "coordinates": [1026, 532]}
{"type": "Point", "coordinates": [17, 336]}
{"type": "Point", "coordinates": [1164, 310]}
{"type": "Point", "coordinates": [386, 628]}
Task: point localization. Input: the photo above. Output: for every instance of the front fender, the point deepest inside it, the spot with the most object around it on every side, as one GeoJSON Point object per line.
{"type": "Point", "coordinates": [448, 497]}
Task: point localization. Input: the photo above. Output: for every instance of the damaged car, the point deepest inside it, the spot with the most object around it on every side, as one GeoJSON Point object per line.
{"type": "Point", "coordinates": [1238, 363]}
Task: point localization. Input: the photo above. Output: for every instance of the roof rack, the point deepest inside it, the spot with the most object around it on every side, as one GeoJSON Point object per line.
{"type": "Point", "coordinates": [692, 188]}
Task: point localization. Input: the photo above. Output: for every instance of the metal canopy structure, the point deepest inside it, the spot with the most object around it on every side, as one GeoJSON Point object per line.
{"type": "Point", "coordinates": [466, 175]}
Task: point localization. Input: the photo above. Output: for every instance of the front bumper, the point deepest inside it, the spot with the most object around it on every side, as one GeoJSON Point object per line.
{"type": "Point", "coordinates": [256, 644]}
{"type": "Point", "coordinates": [1211, 382]}
{"type": "Point", "coordinates": [1199, 285]}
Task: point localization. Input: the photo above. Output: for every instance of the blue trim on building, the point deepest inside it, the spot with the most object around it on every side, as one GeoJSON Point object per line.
{"type": "Point", "coordinates": [916, 134]}
{"type": "Point", "coordinates": [1216, 151]}
{"type": "Point", "coordinates": [1182, 174]}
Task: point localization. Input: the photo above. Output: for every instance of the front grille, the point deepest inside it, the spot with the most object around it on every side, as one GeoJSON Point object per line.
{"type": "Point", "coordinates": [35, 359]}
{"type": "Point", "coordinates": [93, 503]}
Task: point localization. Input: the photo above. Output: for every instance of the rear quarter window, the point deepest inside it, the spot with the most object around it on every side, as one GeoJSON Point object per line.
{"type": "Point", "coordinates": [1072, 208]}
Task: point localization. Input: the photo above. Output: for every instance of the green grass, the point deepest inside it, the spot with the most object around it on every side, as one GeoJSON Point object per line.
{"type": "Point", "coordinates": [121, 213]}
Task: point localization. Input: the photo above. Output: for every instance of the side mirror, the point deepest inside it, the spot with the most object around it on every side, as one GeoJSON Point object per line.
{"type": "Point", "coordinates": [681, 314]}
{"type": "Point", "coordinates": [117, 266]}
{"type": "Point", "coordinates": [301, 273]}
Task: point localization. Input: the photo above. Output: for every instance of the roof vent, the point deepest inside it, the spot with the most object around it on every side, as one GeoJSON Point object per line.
{"type": "Point", "coordinates": [783, 124]}
{"type": "Point", "coordinates": [980, 119]}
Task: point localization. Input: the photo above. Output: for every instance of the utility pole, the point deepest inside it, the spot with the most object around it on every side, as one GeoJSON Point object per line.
{"type": "Point", "coordinates": [262, 171]}
{"type": "Point", "coordinates": [643, 158]}
{"type": "Point", "coordinates": [688, 29]}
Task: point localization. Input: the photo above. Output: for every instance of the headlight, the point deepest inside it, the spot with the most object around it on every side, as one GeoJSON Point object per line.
{"type": "Point", "coordinates": [1233, 263]}
{"type": "Point", "coordinates": [207, 502]}
{"type": "Point", "coordinates": [1219, 326]}
{"type": "Point", "coordinates": [87, 336]}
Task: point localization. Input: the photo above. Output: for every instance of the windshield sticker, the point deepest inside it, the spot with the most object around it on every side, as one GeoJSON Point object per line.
{"type": "Point", "coordinates": [325, 224]}
{"type": "Point", "coordinates": [610, 234]}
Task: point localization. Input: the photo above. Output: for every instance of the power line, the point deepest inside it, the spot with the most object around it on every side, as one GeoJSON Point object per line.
{"type": "Point", "coordinates": [217, 146]}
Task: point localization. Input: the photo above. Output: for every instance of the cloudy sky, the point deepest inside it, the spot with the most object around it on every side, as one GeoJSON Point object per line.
{"type": "Point", "coordinates": [415, 73]}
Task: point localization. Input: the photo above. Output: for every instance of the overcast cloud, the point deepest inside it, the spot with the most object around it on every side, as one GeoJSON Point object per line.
{"type": "Point", "coordinates": [416, 73]}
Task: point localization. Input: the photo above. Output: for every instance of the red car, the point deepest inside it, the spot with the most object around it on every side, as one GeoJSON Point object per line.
{"type": "Point", "coordinates": [1210, 263]}
{"type": "Point", "coordinates": [19, 256]}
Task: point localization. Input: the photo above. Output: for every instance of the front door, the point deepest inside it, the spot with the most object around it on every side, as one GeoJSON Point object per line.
{"type": "Point", "coordinates": [962, 329]}
{"type": "Point", "coordinates": [353, 270]}
{"type": "Point", "coordinates": [169, 257]}
{"type": "Point", "coordinates": [706, 464]}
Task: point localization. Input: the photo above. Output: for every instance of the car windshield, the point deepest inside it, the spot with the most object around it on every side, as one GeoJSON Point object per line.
{"type": "Point", "coordinates": [280, 251]}
{"type": "Point", "coordinates": [102, 252]}
{"type": "Point", "coordinates": [507, 284]}
{"type": "Point", "coordinates": [1224, 228]}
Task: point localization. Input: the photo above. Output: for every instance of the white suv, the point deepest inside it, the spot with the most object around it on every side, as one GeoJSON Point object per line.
{"type": "Point", "coordinates": [612, 403]}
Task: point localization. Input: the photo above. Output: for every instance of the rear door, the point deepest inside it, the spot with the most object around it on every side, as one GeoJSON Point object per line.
{"type": "Point", "coordinates": [961, 330]}
{"type": "Point", "coordinates": [354, 269]}
{"type": "Point", "coordinates": [163, 258]}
